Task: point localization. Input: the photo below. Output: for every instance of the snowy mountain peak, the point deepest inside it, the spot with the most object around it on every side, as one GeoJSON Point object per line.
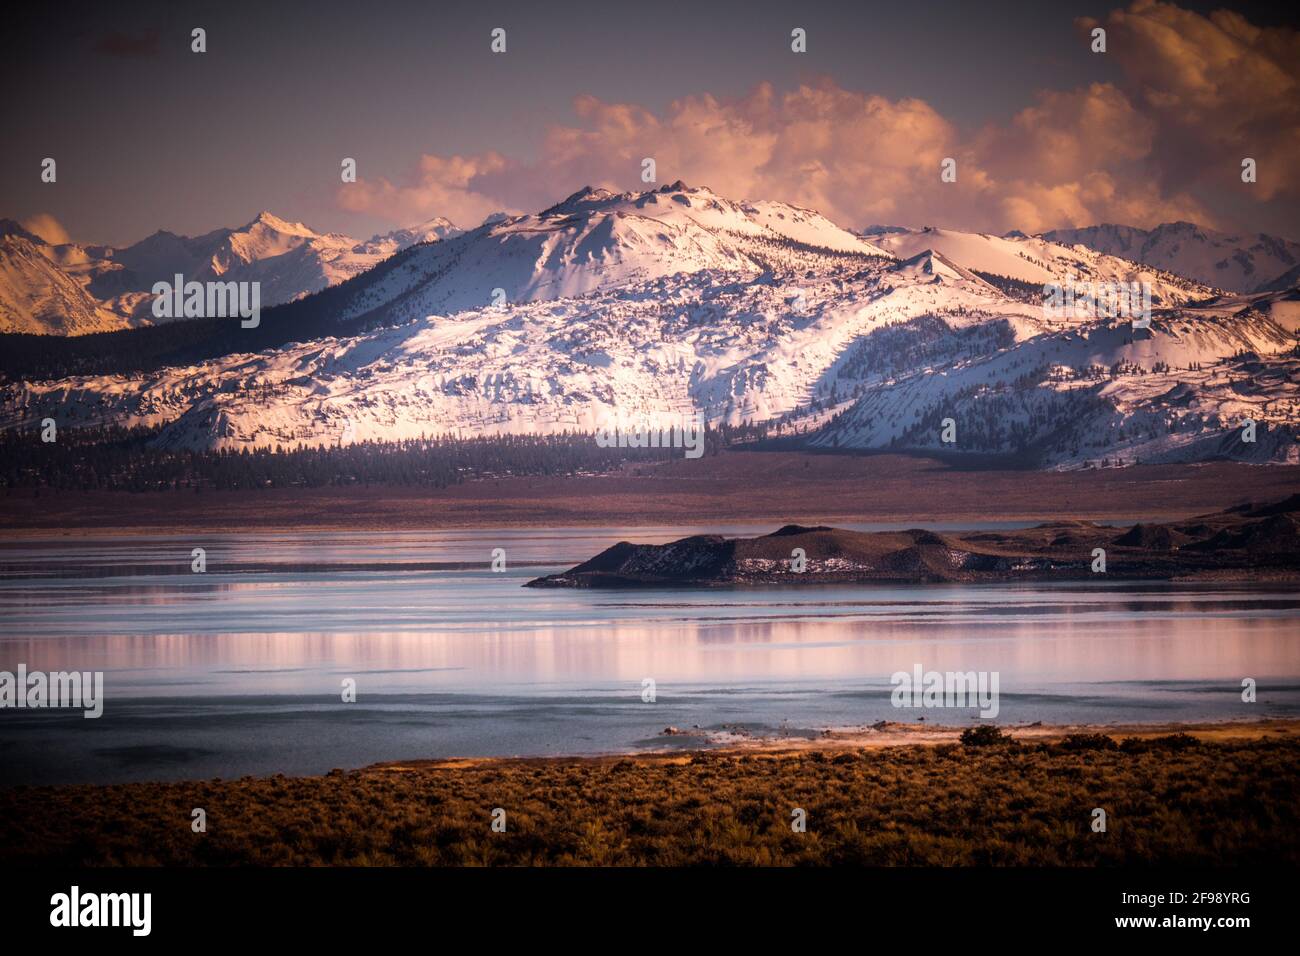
{"type": "Point", "coordinates": [598, 239]}
{"type": "Point", "coordinates": [932, 266]}
{"type": "Point", "coordinates": [585, 197]}
{"type": "Point", "coordinates": [431, 230]}
{"type": "Point", "coordinates": [700, 207]}
{"type": "Point", "coordinates": [597, 197]}
{"type": "Point", "coordinates": [268, 220]}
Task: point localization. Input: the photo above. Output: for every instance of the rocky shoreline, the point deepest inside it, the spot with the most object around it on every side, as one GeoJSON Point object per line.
{"type": "Point", "coordinates": [1247, 542]}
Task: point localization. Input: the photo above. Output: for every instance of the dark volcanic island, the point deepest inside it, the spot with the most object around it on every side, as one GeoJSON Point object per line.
{"type": "Point", "coordinates": [1246, 543]}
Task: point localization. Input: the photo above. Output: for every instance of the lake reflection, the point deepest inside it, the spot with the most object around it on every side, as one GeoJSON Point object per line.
{"type": "Point", "coordinates": [238, 670]}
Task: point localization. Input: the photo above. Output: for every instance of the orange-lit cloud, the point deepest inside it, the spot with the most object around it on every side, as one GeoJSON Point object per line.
{"type": "Point", "coordinates": [1101, 153]}
{"type": "Point", "coordinates": [440, 186]}
{"type": "Point", "coordinates": [1217, 90]}
{"type": "Point", "coordinates": [47, 227]}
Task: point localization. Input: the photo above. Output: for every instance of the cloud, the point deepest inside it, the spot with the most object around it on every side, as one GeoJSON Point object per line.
{"type": "Point", "coordinates": [437, 187]}
{"type": "Point", "coordinates": [1076, 158]}
{"type": "Point", "coordinates": [1217, 90]}
{"type": "Point", "coordinates": [1138, 151]}
{"type": "Point", "coordinates": [47, 227]}
{"type": "Point", "coordinates": [127, 45]}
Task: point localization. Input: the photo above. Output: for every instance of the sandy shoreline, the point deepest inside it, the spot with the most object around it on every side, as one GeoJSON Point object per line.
{"type": "Point", "coordinates": [885, 734]}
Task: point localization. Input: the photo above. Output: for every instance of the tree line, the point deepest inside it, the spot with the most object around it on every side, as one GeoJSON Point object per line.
{"type": "Point", "coordinates": [116, 458]}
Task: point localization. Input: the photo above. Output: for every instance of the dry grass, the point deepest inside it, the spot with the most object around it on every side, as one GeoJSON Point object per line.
{"type": "Point", "coordinates": [1170, 800]}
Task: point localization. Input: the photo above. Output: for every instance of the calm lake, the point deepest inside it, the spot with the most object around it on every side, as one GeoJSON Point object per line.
{"type": "Point", "coordinates": [239, 670]}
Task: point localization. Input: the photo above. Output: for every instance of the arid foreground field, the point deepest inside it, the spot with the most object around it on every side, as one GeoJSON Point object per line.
{"type": "Point", "coordinates": [773, 488]}
{"type": "Point", "coordinates": [1212, 797]}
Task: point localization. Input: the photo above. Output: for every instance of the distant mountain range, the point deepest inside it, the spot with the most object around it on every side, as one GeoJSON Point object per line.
{"type": "Point", "coordinates": [654, 306]}
{"type": "Point", "coordinates": [73, 289]}
{"type": "Point", "coordinates": [1232, 262]}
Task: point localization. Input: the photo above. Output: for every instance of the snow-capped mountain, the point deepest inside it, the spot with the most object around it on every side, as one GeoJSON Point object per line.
{"type": "Point", "coordinates": [36, 295]}
{"type": "Point", "coordinates": [80, 289]}
{"type": "Point", "coordinates": [734, 345]}
{"type": "Point", "coordinates": [1182, 390]}
{"type": "Point", "coordinates": [1037, 261]}
{"type": "Point", "coordinates": [430, 230]}
{"type": "Point", "coordinates": [930, 266]}
{"type": "Point", "coordinates": [1235, 262]}
{"type": "Point", "coordinates": [650, 307]}
{"type": "Point", "coordinates": [595, 240]}
{"type": "Point", "coordinates": [289, 259]}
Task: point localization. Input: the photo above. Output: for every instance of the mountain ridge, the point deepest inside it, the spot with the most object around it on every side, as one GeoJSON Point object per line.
{"type": "Point", "coordinates": [289, 259]}
{"type": "Point", "coordinates": [674, 303]}
{"type": "Point", "coordinates": [1231, 261]}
